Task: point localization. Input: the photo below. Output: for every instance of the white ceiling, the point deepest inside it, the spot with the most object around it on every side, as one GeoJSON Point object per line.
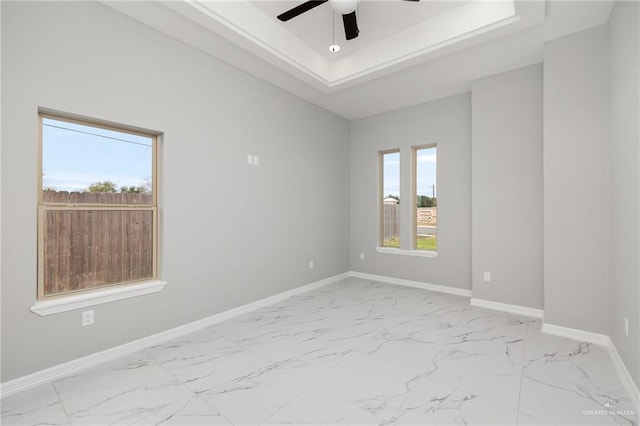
{"type": "Point", "coordinates": [377, 20]}
{"type": "Point", "coordinates": [407, 52]}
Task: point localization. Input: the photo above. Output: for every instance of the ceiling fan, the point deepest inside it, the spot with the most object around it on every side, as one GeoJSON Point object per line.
{"type": "Point", "coordinates": [347, 8]}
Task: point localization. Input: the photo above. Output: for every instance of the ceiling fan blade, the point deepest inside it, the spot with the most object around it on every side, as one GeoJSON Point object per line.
{"type": "Point", "coordinates": [300, 9]}
{"type": "Point", "coordinates": [350, 22]}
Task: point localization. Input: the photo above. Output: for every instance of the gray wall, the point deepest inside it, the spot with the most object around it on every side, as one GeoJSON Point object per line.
{"type": "Point", "coordinates": [446, 122]}
{"type": "Point", "coordinates": [624, 272]}
{"type": "Point", "coordinates": [507, 187]}
{"type": "Point", "coordinates": [242, 240]}
{"type": "Point", "coordinates": [231, 234]}
{"type": "Point", "coordinates": [576, 181]}
{"type": "Point", "coordinates": [1, 258]}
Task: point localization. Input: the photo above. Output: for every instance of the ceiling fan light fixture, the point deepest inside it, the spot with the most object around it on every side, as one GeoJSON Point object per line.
{"type": "Point", "coordinates": [344, 7]}
{"type": "Point", "coordinates": [334, 48]}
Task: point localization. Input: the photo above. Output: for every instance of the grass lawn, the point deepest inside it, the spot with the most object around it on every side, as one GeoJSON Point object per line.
{"type": "Point", "coordinates": [423, 243]}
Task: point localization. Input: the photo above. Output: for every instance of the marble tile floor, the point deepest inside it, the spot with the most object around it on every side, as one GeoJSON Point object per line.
{"type": "Point", "coordinates": [355, 352]}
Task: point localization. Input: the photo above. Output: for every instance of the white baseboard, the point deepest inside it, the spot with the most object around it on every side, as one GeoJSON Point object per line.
{"type": "Point", "coordinates": [575, 334]}
{"type": "Point", "coordinates": [57, 371]}
{"type": "Point", "coordinates": [416, 284]}
{"type": "Point", "coordinates": [628, 382]}
{"type": "Point", "coordinates": [506, 307]}
{"type": "Point", "coordinates": [603, 340]}
{"type": "Point", "coordinates": [74, 366]}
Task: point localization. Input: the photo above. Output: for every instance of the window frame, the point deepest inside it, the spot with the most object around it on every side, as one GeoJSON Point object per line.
{"type": "Point", "coordinates": [44, 206]}
{"type": "Point", "coordinates": [414, 191]}
{"type": "Point", "coordinates": [381, 195]}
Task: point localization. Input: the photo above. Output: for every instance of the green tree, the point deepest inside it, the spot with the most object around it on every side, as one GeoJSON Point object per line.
{"type": "Point", "coordinates": [425, 201]}
{"type": "Point", "coordinates": [133, 189]}
{"type": "Point", "coordinates": [103, 187]}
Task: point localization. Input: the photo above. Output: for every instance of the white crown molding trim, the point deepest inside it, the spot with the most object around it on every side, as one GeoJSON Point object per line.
{"type": "Point", "coordinates": [48, 374]}
{"type": "Point", "coordinates": [575, 334]}
{"type": "Point", "coordinates": [243, 25]}
{"type": "Point", "coordinates": [415, 284]}
{"type": "Point", "coordinates": [507, 307]}
{"type": "Point", "coordinates": [625, 376]}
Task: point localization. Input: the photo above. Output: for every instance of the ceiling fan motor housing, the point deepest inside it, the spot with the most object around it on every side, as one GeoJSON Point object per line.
{"type": "Point", "coordinates": [344, 7]}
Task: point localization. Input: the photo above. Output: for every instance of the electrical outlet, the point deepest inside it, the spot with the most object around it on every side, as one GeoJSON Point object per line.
{"type": "Point", "coordinates": [87, 318]}
{"type": "Point", "coordinates": [361, 256]}
{"type": "Point", "coordinates": [626, 326]}
{"type": "Point", "coordinates": [256, 160]}
{"type": "Point", "coordinates": [487, 276]}
{"type": "Point", "coordinates": [250, 159]}
{"type": "Point", "coordinates": [311, 264]}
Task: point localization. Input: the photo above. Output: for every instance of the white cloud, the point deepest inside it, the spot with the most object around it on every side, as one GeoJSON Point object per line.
{"type": "Point", "coordinates": [427, 158]}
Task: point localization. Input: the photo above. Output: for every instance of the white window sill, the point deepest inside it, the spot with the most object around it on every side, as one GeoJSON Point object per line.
{"type": "Point", "coordinates": [417, 253]}
{"type": "Point", "coordinates": [106, 295]}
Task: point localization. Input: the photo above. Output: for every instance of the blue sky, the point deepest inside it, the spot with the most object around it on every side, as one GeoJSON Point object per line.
{"type": "Point", "coordinates": [75, 156]}
{"type": "Point", "coordinates": [426, 172]}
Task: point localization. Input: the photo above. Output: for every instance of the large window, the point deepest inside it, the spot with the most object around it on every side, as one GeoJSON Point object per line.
{"type": "Point", "coordinates": [389, 198]}
{"type": "Point", "coordinates": [97, 206]}
{"type": "Point", "coordinates": [426, 208]}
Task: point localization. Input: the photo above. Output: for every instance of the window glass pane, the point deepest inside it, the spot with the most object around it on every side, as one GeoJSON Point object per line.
{"type": "Point", "coordinates": [391, 199]}
{"type": "Point", "coordinates": [83, 158]}
{"type": "Point", "coordinates": [426, 200]}
{"type": "Point", "coordinates": [84, 249]}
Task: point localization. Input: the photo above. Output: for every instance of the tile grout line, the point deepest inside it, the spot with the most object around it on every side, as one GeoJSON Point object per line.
{"type": "Point", "coordinates": [66, 413]}
{"type": "Point", "coordinates": [524, 357]}
{"type": "Point", "coordinates": [423, 375]}
{"type": "Point", "coordinates": [195, 394]}
{"type": "Point", "coordinates": [191, 392]}
{"type": "Point", "coordinates": [311, 384]}
{"type": "Point", "coordinates": [318, 386]}
{"type": "Point", "coordinates": [468, 390]}
{"type": "Point", "coordinates": [277, 410]}
{"type": "Point", "coordinates": [205, 402]}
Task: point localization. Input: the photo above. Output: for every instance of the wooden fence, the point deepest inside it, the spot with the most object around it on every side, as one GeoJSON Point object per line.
{"type": "Point", "coordinates": [87, 248]}
{"type": "Point", "coordinates": [391, 222]}
{"type": "Point", "coordinates": [426, 217]}
{"type": "Point", "coordinates": [95, 198]}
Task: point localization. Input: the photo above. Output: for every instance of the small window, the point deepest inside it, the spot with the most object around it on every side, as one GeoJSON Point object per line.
{"type": "Point", "coordinates": [426, 210]}
{"type": "Point", "coordinates": [98, 217]}
{"type": "Point", "coordinates": [389, 198]}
